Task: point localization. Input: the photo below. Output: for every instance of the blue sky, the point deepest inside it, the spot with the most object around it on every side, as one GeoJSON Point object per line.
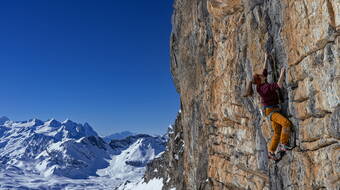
{"type": "Point", "coordinates": [101, 61]}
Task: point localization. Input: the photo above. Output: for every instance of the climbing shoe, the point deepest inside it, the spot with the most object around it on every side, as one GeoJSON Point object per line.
{"type": "Point", "coordinates": [284, 148]}
{"type": "Point", "coordinates": [272, 156]}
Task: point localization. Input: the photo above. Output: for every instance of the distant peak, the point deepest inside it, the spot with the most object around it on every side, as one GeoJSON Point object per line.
{"type": "Point", "coordinates": [118, 136]}
{"type": "Point", "coordinates": [53, 123]}
{"type": "Point", "coordinates": [3, 119]}
{"type": "Point", "coordinates": [36, 121]}
{"type": "Point", "coordinates": [68, 121]}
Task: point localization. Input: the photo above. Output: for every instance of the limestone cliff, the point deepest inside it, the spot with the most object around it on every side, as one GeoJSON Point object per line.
{"type": "Point", "coordinates": [219, 140]}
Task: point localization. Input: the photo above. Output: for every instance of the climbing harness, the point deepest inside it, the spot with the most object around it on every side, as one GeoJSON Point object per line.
{"type": "Point", "coordinates": [276, 109]}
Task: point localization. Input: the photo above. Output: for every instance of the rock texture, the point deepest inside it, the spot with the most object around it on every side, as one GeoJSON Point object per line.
{"type": "Point", "coordinates": [216, 46]}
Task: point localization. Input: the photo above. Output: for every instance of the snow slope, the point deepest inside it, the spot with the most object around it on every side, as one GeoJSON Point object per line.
{"type": "Point", "coordinates": [154, 184]}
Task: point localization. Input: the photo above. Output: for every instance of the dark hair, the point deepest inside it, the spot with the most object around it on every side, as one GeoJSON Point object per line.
{"type": "Point", "coordinates": [257, 81]}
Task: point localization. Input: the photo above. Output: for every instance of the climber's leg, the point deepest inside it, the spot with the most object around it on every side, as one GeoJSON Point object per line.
{"type": "Point", "coordinates": [276, 137]}
{"type": "Point", "coordinates": [286, 127]}
{"type": "Point", "coordinates": [277, 133]}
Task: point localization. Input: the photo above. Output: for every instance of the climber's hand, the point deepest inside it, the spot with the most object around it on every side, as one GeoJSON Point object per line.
{"type": "Point", "coordinates": [264, 66]}
{"type": "Point", "coordinates": [283, 69]}
{"type": "Point", "coordinates": [281, 78]}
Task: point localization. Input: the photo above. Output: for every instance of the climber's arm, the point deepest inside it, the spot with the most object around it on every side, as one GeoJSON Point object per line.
{"type": "Point", "coordinates": [264, 66]}
{"type": "Point", "coordinates": [281, 78]}
{"type": "Point", "coordinates": [249, 89]}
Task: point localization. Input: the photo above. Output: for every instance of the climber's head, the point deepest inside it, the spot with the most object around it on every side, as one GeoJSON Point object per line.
{"type": "Point", "coordinates": [259, 79]}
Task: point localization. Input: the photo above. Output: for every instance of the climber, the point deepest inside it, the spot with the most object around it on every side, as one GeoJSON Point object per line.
{"type": "Point", "coordinates": [270, 102]}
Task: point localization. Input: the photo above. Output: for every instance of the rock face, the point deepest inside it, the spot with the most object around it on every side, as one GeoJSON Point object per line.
{"type": "Point", "coordinates": [216, 46]}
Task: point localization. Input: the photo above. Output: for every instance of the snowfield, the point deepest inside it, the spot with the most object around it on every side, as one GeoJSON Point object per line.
{"type": "Point", "coordinates": [154, 184]}
{"type": "Point", "coordinates": [67, 155]}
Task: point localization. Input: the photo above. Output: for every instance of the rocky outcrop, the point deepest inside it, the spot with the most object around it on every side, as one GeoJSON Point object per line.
{"type": "Point", "coordinates": [216, 46]}
{"type": "Point", "coordinates": [170, 166]}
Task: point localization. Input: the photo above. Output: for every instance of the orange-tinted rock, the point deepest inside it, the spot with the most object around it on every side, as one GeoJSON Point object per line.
{"type": "Point", "coordinates": [216, 46]}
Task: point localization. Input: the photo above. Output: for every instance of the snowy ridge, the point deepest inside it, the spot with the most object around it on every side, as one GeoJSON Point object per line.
{"type": "Point", "coordinates": [68, 154]}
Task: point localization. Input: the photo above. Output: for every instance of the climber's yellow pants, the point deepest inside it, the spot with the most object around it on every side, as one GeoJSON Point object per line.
{"type": "Point", "coordinates": [281, 126]}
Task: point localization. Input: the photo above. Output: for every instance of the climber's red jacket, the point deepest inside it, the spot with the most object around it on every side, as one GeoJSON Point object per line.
{"type": "Point", "coordinates": [267, 92]}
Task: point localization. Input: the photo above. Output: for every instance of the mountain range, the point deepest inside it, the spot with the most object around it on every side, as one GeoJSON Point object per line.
{"type": "Point", "coordinates": [44, 154]}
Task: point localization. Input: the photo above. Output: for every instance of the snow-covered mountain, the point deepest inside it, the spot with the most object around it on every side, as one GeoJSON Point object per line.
{"type": "Point", "coordinates": [71, 152]}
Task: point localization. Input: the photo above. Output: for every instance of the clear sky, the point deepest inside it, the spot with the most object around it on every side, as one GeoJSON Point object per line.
{"type": "Point", "coordinates": [105, 62]}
